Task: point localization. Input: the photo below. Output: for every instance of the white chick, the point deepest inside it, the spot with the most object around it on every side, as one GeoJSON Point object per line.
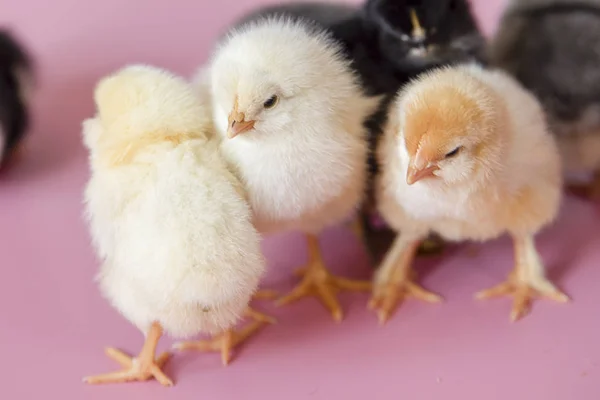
{"type": "Point", "coordinates": [291, 112]}
{"type": "Point", "coordinates": [168, 220]}
{"type": "Point", "coordinates": [466, 154]}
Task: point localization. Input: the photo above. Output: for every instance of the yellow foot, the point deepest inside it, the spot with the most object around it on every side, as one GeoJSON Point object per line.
{"type": "Point", "coordinates": [387, 297]}
{"type": "Point", "coordinates": [317, 281]}
{"type": "Point", "coordinates": [134, 369]}
{"type": "Point", "coordinates": [523, 294]}
{"type": "Point", "coordinates": [227, 341]}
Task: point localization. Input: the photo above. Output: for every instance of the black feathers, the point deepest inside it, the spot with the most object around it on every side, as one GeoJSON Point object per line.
{"type": "Point", "coordinates": [15, 65]}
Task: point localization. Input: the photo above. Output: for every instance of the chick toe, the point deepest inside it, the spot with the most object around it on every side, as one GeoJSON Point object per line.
{"type": "Point", "coordinates": [223, 343]}
{"type": "Point", "coordinates": [523, 293]}
{"type": "Point", "coordinates": [318, 282]}
{"type": "Point", "coordinates": [136, 372]}
{"type": "Point", "coordinates": [141, 368]}
{"type": "Point", "coordinates": [388, 297]}
{"type": "Point", "coordinates": [231, 338]}
{"type": "Point", "coordinates": [134, 369]}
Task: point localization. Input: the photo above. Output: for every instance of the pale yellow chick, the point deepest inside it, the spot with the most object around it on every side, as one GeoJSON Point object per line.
{"type": "Point", "coordinates": [466, 154]}
{"type": "Point", "coordinates": [291, 113]}
{"type": "Point", "coordinates": [169, 222]}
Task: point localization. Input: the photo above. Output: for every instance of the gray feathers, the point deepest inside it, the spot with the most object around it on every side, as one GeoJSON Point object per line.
{"type": "Point", "coordinates": [553, 48]}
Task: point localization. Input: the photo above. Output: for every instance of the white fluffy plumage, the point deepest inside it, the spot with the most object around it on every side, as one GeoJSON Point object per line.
{"type": "Point", "coordinates": [304, 161]}
{"type": "Point", "coordinates": [169, 221]}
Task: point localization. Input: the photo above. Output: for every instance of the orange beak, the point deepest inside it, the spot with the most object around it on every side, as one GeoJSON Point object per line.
{"type": "Point", "coordinates": [237, 123]}
{"type": "Point", "coordinates": [414, 175]}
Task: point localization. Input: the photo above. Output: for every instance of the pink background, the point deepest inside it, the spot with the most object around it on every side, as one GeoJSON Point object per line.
{"type": "Point", "coordinates": [55, 324]}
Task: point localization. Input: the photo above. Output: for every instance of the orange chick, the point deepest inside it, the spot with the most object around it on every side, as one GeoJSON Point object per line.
{"type": "Point", "coordinates": [466, 154]}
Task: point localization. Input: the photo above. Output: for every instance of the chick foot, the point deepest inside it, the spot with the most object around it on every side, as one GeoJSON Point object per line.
{"type": "Point", "coordinates": [523, 293]}
{"type": "Point", "coordinates": [394, 280]}
{"type": "Point", "coordinates": [141, 368]}
{"type": "Point", "coordinates": [388, 297]}
{"type": "Point", "coordinates": [317, 281]}
{"type": "Point", "coordinates": [230, 339]}
{"type": "Point", "coordinates": [525, 282]}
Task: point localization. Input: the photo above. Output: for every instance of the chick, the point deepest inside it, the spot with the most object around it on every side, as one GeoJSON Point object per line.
{"type": "Point", "coordinates": [291, 113]}
{"type": "Point", "coordinates": [16, 79]}
{"type": "Point", "coordinates": [325, 13]}
{"type": "Point", "coordinates": [168, 220]}
{"type": "Point", "coordinates": [553, 48]}
{"type": "Point", "coordinates": [466, 154]}
{"type": "Point", "coordinates": [391, 42]}
{"type": "Point", "coordinates": [415, 35]}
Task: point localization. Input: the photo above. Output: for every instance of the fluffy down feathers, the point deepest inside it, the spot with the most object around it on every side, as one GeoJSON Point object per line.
{"type": "Point", "coordinates": [325, 13]}
{"type": "Point", "coordinates": [553, 48]}
{"type": "Point", "coordinates": [168, 220]}
{"type": "Point", "coordinates": [304, 160]}
{"type": "Point", "coordinates": [505, 175]}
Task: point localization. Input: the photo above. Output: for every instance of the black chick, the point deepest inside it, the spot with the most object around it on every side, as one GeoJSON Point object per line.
{"type": "Point", "coordinates": [15, 74]}
{"type": "Point", "coordinates": [553, 48]}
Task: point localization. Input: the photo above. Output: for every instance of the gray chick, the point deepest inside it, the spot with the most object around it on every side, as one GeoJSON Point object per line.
{"type": "Point", "coordinates": [553, 48]}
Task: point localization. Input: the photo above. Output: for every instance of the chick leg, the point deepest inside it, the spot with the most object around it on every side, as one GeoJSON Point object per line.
{"type": "Point", "coordinates": [394, 279]}
{"type": "Point", "coordinates": [231, 338]}
{"type": "Point", "coordinates": [526, 281]}
{"type": "Point", "coordinates": [141, 368]}
{"type": "Point", "coordinates": [319, 282]}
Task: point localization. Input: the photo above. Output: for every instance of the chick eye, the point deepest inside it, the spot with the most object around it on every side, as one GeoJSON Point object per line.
{"type": "Point", "coordinates": [453, 152]}
{"type": "Point", "coordinates": [272, 102]}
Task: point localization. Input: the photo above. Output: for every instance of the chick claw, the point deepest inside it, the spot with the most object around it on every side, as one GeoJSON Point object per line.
{"type": "Point", "coordinates": [230, 339]}
{"type": "Point", "coordinates": [319, 282]}
{"type": "Point", "coordinates": [134, 369]}
{"type": "Point", "coordinates": [388, 297]}
{"type": "Point", "coordinates": [523, 294]}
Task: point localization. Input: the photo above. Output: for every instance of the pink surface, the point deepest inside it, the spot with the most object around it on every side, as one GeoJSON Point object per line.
{"type": "Point", "coordinates": [55, 324]}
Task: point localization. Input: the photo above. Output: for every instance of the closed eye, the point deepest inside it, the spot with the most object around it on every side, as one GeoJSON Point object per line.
{"type": "Point", "coordinates": [453, 152]}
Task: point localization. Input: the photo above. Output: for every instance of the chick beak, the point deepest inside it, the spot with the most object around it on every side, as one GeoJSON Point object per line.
{"type": "Point", "coordinates": [415, 174]}
{"type": "Point", "coordinates": [238, 124]}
